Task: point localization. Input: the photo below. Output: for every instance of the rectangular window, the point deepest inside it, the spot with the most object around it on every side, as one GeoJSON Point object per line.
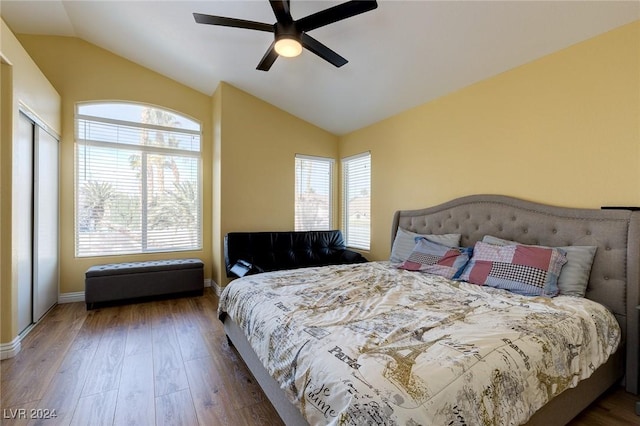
{"type": "Point", "coordinates": [314, 198]}
{"type": "Point", "coordinates": [356, 200]}
{"type": "Point", "coordinates": [138, 185]}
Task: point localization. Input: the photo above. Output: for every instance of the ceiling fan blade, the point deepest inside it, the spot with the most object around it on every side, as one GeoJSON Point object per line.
{"type": "Point", "coordinates": [281, 10]}
{"type": "Point", "coordinates": [268, 59]}
{"type": "Point", "coordinates": [321, 50]}
{"type": "Point", "coordinates": [232, 22]}
{"type": "Point", "coordinates": [335, 14]}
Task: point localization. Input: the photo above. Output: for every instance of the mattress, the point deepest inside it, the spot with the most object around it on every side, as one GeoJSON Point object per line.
{"type": "Point", "coordinates": [369, 343]}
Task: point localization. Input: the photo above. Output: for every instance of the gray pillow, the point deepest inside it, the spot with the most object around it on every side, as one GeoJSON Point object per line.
{"type": "Point", "coordinates": [405, 242]}
{"type": "Point", "coordinates": [574, 276]}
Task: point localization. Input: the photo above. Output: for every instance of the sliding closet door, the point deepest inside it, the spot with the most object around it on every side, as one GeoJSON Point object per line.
{"type": "Point", "coordinates": [45, 220]}
{"type": "Point", "coordinates": [36, 218]}
{"type": "Point", "coordinates": [23, 219]}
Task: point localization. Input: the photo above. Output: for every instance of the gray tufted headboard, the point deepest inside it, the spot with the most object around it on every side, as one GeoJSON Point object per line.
{"type": "Point", "coordinates": [615, 275]}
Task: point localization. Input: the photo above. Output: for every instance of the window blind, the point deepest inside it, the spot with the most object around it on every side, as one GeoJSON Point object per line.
{"type": "Point", "coordinates": [314, 198]}
{"type": "Point", "coordinates": [356, 181]}
{"type": "Point", "coordinates": [138, 184]}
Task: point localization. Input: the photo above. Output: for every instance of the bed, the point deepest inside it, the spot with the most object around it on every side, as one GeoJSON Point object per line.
{"type": "Point", "coordinates": [320, 374]}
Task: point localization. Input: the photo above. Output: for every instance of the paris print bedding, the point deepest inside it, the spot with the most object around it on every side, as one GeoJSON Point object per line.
{"type": "Point", "coordinates": [373, 344]}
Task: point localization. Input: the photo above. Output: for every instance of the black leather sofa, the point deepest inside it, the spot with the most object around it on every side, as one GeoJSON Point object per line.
{"type": "Point", "coordinates": [272, 251]}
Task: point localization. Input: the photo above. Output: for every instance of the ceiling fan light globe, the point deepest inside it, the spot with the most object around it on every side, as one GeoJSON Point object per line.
{"type": "Point", "coordinates": [288, 47]}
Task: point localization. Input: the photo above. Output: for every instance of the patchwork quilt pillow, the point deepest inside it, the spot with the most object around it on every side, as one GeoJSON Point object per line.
{"type": "Point", "coordinates": [437, 259]}
{"type": "Point", "coordinates": [574, 277]}
{"type": "Point", "coordinates": [405, 242]}
{"type": "Point", "coordinates": [525, 270]}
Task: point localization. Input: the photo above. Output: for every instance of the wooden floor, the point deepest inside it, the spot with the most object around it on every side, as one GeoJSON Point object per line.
{"type": "Point", "coordinates": [164, 363]}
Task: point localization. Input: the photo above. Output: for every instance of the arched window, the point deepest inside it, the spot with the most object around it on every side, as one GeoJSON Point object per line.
{"type": "Point", "coordinates": [138, 180]}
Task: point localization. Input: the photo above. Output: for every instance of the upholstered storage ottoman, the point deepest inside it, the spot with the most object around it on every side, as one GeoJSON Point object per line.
{"type": "Point", "coordinates": [132, 280]}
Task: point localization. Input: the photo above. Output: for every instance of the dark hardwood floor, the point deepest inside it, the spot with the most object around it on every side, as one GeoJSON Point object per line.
{"type": "Point", "coordinates": [158, 363]}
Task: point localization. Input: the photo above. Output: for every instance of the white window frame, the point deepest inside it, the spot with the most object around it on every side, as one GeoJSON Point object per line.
{"type": "Point", "coordinates": [143, 151]}
{"type": "Point", "coordinates": [299, 224]}
{"type": "Point", "coordinates": [351, 237]}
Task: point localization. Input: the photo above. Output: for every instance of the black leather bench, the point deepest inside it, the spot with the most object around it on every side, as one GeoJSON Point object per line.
{"type": "Point", "coordinates": [134, 280]}
{"type": "Point", "coordinates": [272, 251]}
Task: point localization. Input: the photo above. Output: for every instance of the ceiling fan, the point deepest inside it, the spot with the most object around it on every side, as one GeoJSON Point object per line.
{"type": "Point", "coordinates": [290, 35]}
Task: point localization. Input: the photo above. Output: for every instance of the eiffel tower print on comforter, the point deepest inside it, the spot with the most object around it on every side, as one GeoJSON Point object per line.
{"type": "Point", "coordinates": [372, 344]}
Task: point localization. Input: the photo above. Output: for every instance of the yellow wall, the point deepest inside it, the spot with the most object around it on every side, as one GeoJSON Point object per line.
{"type": "Point", "coordinates": [23, 86]}
{"type": "Point", "coordinates": [217, 248]}
{"type": "Point", "coordinates": [81, 71]}
{"type": "Point", "coordinates": [248, 146]}
{"type": "Point", "coordinates": [6, 287]}
{"type": "Point", "coordinates": [258, 144]}
{"type": "Point", "coordinates": [564, 130]}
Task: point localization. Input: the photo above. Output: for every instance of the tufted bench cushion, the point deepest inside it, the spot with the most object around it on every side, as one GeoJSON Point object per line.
{"type": "Point", "coordinates": [132, 280]}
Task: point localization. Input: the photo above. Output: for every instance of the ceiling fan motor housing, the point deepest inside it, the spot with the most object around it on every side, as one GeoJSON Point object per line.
{"type": "Point", "coordinates": [287, 30]}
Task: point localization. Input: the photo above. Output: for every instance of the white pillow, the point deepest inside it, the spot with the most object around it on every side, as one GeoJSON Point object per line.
{"type": "Point", "coordinates": [405, 242]}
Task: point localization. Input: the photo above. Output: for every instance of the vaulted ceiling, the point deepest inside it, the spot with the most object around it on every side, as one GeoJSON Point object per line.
{"type": "Point", "coordinates": [402, 54]}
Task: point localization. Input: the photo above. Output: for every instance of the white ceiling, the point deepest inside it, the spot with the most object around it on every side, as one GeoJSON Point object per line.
{"type": "Point", "coordinates": [401, 55]}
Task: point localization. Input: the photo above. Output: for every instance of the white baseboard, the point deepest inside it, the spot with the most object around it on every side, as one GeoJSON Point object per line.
{"type": "Point", "coordinates": [216, 288]}
{"type": "Point", "coordinates": [11, 349]}
{"type": "Point", "coordinates": [78, 296]}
